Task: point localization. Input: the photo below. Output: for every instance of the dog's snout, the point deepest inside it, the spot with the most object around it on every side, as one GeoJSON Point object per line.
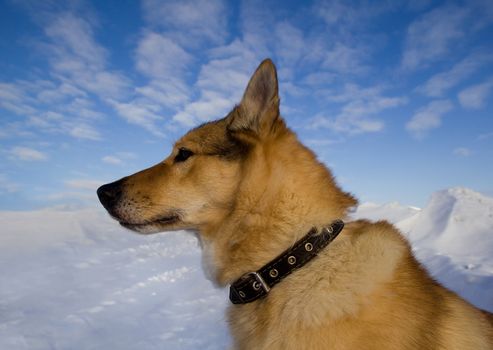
{"type": "Point", "coordinates": [109, 194]}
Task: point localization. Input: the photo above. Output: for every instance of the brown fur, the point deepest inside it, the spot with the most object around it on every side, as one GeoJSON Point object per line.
{"type": "Point", "coordinates": [250, 190]}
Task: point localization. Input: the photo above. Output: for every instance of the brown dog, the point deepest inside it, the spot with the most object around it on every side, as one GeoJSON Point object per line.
{"type": "Point", "coordinates": [250, 190]}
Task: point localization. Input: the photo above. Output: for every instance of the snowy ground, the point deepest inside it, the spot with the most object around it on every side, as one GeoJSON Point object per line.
{"type": "Point", "coordinates": [76, 280]}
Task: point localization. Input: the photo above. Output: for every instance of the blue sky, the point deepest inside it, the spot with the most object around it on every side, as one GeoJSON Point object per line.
{"type": "Point", "coordinates": [396, 97]}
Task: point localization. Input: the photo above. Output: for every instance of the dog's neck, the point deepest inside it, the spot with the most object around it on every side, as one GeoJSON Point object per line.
{"type": "Point", "coordinates": [265, 223]}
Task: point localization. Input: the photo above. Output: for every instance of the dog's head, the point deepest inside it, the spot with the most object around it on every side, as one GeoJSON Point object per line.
{"type": "Point", "coordinates": [196, 183]}
{"type": "Point", "coordinates": [199, 184]}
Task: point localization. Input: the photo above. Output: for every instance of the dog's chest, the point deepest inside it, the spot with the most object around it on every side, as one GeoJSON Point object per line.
{"type": "Point", "coordinates": [263, 330]}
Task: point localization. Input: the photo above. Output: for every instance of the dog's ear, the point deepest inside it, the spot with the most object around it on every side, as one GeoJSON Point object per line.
{"type": "Point", "coordinates": [259, 107]}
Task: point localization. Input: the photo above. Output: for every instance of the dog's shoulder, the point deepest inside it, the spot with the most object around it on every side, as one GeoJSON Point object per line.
{"type": "Point", "coordinates": [334, 285]}
{"type": "Point", "coordinates": [382, 230]}
{"type": "Point", "coordinates": [377, 245]}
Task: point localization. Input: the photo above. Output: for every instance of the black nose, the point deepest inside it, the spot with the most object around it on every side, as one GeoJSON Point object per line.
{"type": "Point", "coordinates": [110, 194]}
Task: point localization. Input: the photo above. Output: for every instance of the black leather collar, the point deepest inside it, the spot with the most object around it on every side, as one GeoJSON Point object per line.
{"type": "Point", "coordinates": [254, 285]}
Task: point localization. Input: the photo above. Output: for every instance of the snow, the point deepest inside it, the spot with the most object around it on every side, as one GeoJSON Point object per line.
{"type": "Point", "coordinates": [452, 236]}
{"type": "Point", "coordinates": [74, 279]}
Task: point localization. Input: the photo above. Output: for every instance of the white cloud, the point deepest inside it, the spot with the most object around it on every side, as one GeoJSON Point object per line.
{"type": "Point", "coordinates": [70, 196]}
{"type": "Point", "coordinates": [474, 96]}
{"type": "Point", "coordinates": [341, 55]}
{"type": "Point", "coordinates": [10, 92]}
{"type": "Point", "coordinates": [160, 57]}
{"type": "Point", "coordinates": [209, 106]}
{"type": "Point", "coordinates": [76, 56]}
{"type": "Point", "coordinates": [27, 154]}
{"type": "Point", "coordinates": [462, 152]}
{"type": "Point", "coordinates": [342, 58]}
{"type": "Point", "coordinates": [75, 36]}
{"type": "Point", "coordinates": [485, 136]}
{"type": "Point", "coordinates": [78, 68]}
{"type": "Point", "coordinates": [142, 114]}
{"type": "Point", "coordinates": [336, 12]}
{"type": "Point", "coordinates": [14, 99]}
{"type": "Point", "coordinates": [431, 37]}
{"type": "Point", "coordinates": [346, 16]}
{"type": "Point", "coordinates": [289, 45]}
{"type": "Point", "coordinates": [349, 123]}
{"type": "Point", "coordinates": [257, 21]}
{"type": "Point", "coordinates": [170, 93]}
{"type": "Point", "coordinates": [119, 158]}
{"type": "Point", "coordinates": [59, 93]}
{"type": "Point", "coordinates": [221, 83]}
{"type": "Point", "coordinates": [84, 184]}
{"type": "Point", "coordinates": [190, 20]}
{"type": "Point", "coordinates": [84, 131]}
{"type": "Point", "coordinates": [345, 44]}
{"type": "Point", "coordinates": [428, 117]}
{"type": "Point", "coordinates": [357, 115]}
{"type": "Point", "coordinates": [58, 114]}
{"type": "Point", "coordinates": [7, 186]}
{"type": "Point", "coordinates": [112, 160]}
{"type": "Point", "coordinates": [46, 121]}
{"type": "Point", "coordinates": [166, 64]}
{"type": "Point", "coordinates": [438, 84]}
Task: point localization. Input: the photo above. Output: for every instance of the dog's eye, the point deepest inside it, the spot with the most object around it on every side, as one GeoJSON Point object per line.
{"type": "Point", "coordinates": [183, 155]}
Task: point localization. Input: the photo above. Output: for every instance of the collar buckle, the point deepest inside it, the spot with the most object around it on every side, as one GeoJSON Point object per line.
{"type": "Point", "coordinates": [259, 281]}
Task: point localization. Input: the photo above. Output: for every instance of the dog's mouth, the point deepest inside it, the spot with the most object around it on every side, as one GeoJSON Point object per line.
{"type": "Point", "coordinates": [151, 226]}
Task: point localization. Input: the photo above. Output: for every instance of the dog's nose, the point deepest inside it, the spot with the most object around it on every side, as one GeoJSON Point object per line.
{"type": "Point", "coordinates": [109, 194]}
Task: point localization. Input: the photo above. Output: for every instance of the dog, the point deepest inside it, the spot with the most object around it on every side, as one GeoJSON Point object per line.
{"type": "Point", "coordinates": [256, 197]}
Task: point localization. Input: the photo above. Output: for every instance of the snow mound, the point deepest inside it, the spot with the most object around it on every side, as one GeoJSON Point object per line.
{"type": "Point", "coordinates": [393, 212]}
{"type": "Point", "coordinates": [452, 236]}
{"type": "Point", "coordinates": [456, 222]}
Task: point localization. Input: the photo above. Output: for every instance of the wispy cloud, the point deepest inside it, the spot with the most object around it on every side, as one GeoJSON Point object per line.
{"type": "Point", "coordinates": [83, 184]}
{"type": "Point", "coordinates": [188, 21]}
{"type": "Point", "coordinates": [474, 97]}
{"type": "Point", "coordinates": [343, 58]}
{"type": "Point", "coordinates": [53, 113]}
{"type": "Point", "coordinates": [14, 99]}
{"type": "Point", "coordinates": [221, 82]}
{"type": "Point", "coordinates": [359, 113]}
{"type": "Point", "coordinates": [346, 16]}
{"type": "Point", "coordinates": [119, 158]}
{"type": "Point", "coordinates": [169, 94]}
{"type": "Point", "coordinates": [112, 160]}
{"type": "Point", "coordinates": [160, 57]}
{"type": "Point", "coordinates": [165, 63]}
{"type": "Point", "coordinates": [431, 36]}
{"type": "Point", "coordinates": [462, 152]}
{"type": "Point", "coordinates": [70, 196]}
{"type": "Point", "coordinates": [79, 59]}
{"type": "Point", "coordinates": [7, 186]}
{"type": "Point", "coordinates": [346, 44]}
{"type": "Point", "coordinates": [142, 114]}
{"type": "Point", "coordinates": [27, 154]}
{"type": "Point", "coordinates": [289, 45]}
{"type": "Point", "coordinates": [485, 136]}
{"type": "Point", "coordinates": [439, 83]}
{"type": "Point", "coordinates": [226, 69]}
{"type": "Point", "coordinates": [428, 117]}
{"type": "Point", "coordinates": [61, 101]}
{"type": "Point", "coordinates": [84, 131]}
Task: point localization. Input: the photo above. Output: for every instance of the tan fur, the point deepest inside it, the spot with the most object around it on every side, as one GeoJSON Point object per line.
{"type": "Point", "coordinates": [250, 190]}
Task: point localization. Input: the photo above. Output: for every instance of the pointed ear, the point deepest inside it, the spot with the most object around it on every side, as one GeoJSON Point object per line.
{"type": "Point", "coordinates": [259, 107]}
